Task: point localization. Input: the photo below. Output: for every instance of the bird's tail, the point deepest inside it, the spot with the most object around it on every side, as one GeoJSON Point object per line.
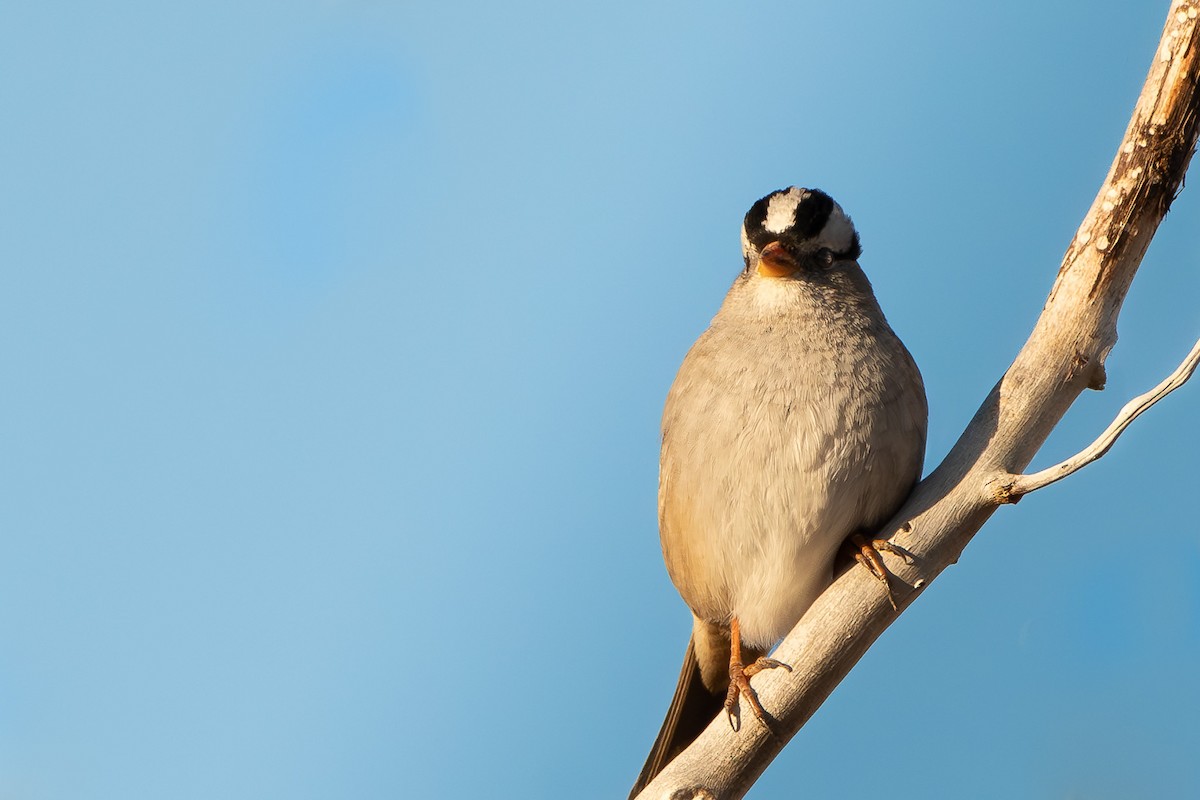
{"type": "Point", "coordinates": [692, 708]}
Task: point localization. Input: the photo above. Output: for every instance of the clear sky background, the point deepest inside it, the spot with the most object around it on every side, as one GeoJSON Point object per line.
{"type": "Point", "coordinates": [335, 337]}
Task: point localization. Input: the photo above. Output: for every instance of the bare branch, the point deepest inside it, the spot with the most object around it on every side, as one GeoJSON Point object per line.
{"type": "Point", "coordinates": [1064, 355]}
{"type": "Point", "coordinates": [1011, 488]}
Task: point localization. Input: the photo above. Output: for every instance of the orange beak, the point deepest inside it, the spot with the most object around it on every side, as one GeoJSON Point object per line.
{"type": "Point", "coordinates": [775, 261]}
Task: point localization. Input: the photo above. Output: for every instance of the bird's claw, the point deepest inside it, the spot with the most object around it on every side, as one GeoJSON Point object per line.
{"type": "Point", "coordinates": [739, 686]}
{"type": "Point", "coordinates": [866, 552]}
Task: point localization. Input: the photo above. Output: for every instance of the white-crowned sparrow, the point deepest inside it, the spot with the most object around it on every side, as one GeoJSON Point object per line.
{"type": "Point", "coordinates": [796, 420]}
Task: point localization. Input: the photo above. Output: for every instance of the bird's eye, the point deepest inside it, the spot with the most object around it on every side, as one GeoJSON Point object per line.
{"type": "Point", "coordinates": [825, 257]}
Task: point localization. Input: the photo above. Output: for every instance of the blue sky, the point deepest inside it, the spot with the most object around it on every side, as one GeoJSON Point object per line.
{"type": "Point", "coordinates": [336, 337]}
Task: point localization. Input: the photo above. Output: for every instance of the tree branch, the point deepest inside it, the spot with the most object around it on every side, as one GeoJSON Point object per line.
{"type": "Point", "coordinates": [1064, 355]}
{"type": "Point", "coordinates": [1011, 488]}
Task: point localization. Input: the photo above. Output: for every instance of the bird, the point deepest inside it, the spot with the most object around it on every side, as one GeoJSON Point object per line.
{"type": "Point", "coordinates": [797, 421]}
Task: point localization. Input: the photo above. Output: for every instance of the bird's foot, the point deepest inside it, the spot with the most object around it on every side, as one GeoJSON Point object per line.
{"type": "Point", "coordinates": [866, 552]}
{"type": "Point", "coordinates": [739, 686]}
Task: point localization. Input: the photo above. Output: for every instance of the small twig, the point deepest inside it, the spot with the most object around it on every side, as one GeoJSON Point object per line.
{"type": "Point", "coordinates": [1012, 488]}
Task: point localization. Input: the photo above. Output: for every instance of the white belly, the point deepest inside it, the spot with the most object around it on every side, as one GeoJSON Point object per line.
{"type": "Point", "coordinates": [768, 467]}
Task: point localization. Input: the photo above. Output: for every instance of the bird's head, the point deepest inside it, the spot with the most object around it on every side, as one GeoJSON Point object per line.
{"type": "Point", "coordinates": [794, 230]}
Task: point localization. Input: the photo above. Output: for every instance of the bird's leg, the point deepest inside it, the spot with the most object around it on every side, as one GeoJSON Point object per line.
{"type": "Point", "coordinates": [739, 677]}
{"type": "Point", "coordinates": [866, 552]}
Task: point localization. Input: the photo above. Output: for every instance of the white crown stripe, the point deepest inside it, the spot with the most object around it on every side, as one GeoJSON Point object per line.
{"type": "Point", "coordinates": [781, 210]}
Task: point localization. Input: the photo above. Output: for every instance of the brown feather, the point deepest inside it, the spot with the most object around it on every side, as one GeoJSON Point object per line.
{"type": "Point", "coordinates": [692, 708]}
